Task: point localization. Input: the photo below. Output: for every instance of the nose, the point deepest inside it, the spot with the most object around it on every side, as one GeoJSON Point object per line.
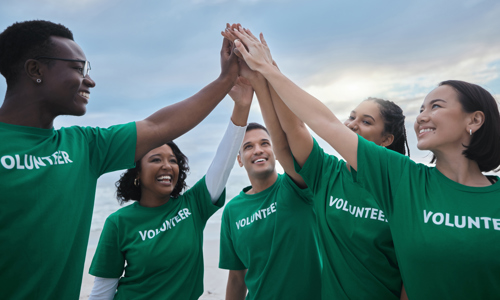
{"type": "Point", "coordinates": [422, 117]}
{"type": "Point", "coordinates": [258, 149]}
{"type": "Point", "coordinates": [166, 165]}
{"type": "Point", "coordinates": [89, 81]}
{"type": "Point", "coordinates": [352, 124]}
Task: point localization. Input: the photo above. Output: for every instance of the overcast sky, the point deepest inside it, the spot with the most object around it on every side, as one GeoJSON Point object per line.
{"type": "Point", "coordinates": [149, 54]}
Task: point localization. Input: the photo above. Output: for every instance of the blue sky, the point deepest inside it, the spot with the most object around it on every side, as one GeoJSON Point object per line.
{"type": "Point", "coordinates": [148, 54]}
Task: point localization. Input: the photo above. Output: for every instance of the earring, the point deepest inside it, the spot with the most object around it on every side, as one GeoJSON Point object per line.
{"type": "Point", "coordinates": [38, 80]}
{"type": "Point", "coordinates": [470, 131]}
{"type": "Point", "coordinates": [136, 182]}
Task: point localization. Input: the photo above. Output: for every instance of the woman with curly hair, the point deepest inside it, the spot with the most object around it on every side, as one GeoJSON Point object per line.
{"type": "Point", "coordinates": [156, 244]}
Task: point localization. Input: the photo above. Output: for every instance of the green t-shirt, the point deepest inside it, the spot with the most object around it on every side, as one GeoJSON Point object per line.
{"type": "Point", "coordinates": [161, 246]}
{"type": "Point", "coordinates": [273, 234]}
{"type": "Point", "coordinates": [356, 245]}
{"type": "Point", "coordinates": [48, 183]}
{"type": "Point", "coordinates": [446, 235]}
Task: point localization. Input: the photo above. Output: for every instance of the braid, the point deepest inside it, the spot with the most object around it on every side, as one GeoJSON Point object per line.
{"type": "Point", "coordinates": [394, 123]}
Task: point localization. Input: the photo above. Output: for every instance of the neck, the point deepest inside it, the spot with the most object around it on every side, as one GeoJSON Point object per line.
{"type": "Point", "coordinates": [260, 184]}
{"type": "Point", "coordinates": [21, 108]}
{"type": "Point", "coordinates": [460, 169]}
{"type": "Point", "coordinates": [151, 201]}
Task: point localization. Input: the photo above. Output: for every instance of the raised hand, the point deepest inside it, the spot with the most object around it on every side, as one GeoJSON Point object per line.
{"type": "Point", "coordinates": [242, 92]}
{"type": "Point", "coordinates": [258, 57]}
{"type": "Point", "coordinates": [229, 61]}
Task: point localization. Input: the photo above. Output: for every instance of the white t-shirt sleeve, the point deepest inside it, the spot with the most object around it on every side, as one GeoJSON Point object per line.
{"type": "Point", "coordinates": [104, 288]}
{"type": "Point", "coordinates": [224, 159]}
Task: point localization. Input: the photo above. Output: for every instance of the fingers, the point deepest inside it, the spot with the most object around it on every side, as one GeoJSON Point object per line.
{"type": "Point", "coordinates": [241, 48]}
{"type": "Point", "coordinates": [262, 40]}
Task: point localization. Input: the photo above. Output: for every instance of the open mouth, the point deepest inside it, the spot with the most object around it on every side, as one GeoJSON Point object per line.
{"type": "Point", "coordinates": [426, 130]}
{"type": "Point", "coordinates": [164, 179]}
{"type": "Point", "coordinates": [85, 95]}
{"type": "Point", "coordinates": [260, 160]}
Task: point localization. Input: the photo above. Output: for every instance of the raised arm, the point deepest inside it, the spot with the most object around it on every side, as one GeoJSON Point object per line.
{"type": "Point", "coordinates": [279, 140]}
{"type": "Point", "coordinates": [309, 109]}
{"type": "Point", "coordinates": [219, 170]}
{"type": "Point", "coordinates": [174, 120]}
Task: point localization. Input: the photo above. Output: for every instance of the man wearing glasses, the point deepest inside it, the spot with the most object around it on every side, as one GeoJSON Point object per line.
{"type": "Point", "coordinates": [48, 177]}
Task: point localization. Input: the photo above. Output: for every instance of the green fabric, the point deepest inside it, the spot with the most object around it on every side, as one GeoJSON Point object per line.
{"type": "Point", "coordinates": [161, 246]}
{"type": "Point", "coordinates": [273, 234]}
{"type": "Point", "coordinates": [446, 235]}
{"type": "Point", "coordinates": [48, 183]}
{"type": "Point", "coordinates": [356, 245]}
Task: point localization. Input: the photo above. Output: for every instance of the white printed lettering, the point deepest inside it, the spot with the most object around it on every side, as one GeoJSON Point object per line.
{"type": "Point", "coordinates": [7, 165]}
{"type": "Point", "coordinates": [18, 160]}
{"type": "Point", "coordinates": [434, 218]}
{"type": "Point", "coordinates": [332, 202]}
{"type": "Point", "coordinates": [143, 235]}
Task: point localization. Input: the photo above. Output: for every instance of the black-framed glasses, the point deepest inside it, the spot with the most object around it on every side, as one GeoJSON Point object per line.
{"type": "Point", "coordinates": [86, 63]}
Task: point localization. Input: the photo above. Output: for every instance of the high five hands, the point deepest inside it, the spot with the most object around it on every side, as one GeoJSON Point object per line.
{"type": "Point", "coordinates": [255, 53]}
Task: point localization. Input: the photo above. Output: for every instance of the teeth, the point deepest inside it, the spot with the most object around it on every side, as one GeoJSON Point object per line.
{"type": "Point", "coordinates": [426, 130]}
{"type": "Point", "coordinates": [84, 95]}
{"type": "Point", "coordinates": [168, 177]}
{"type": "Point", "coordinates": [259, 160]}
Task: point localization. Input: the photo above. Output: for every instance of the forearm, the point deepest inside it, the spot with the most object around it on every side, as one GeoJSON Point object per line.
{"type": "Point", "coordinates": [315, 114]}
{"type": "Point", "coordinates": [174, 120]}
{"type": "Point", "coordinates": [236, 288]}
{"type": "Point", "coordinates": [298, 137]}
{"type": "Point", "coordinates": [219, 170]}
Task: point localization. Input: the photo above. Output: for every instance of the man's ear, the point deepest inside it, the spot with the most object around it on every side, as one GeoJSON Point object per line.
{"type": "Point", "coordinates": [388, 139]}
{"type": "Point", "coordinates": [239, 160]}
{"type": "Point", "coordinates": [33, 70]}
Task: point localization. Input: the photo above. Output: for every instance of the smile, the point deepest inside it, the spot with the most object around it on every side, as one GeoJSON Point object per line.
{"type": "Point", "coordinates": [85, 95]}
{"type": "Point", "coordinates": [426, 130]}
{"type": "Point", "coordinates": [167, 179]}
{"type": "Point", "coordinates": [260, 160]}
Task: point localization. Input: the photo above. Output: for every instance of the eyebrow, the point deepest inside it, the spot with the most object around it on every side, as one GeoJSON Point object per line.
{"type": "Point", "coordinates": [434, 101]}
{"type": "Point", "coordinates": [368, 116]}
{"type": "Point", "coordinates": [243, 146]}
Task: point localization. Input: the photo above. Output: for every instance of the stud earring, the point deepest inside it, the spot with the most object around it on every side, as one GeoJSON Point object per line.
{"type": "Point", "coordinates": [136, 182]}
{"type": "Point", "coordinates": [38, 80]}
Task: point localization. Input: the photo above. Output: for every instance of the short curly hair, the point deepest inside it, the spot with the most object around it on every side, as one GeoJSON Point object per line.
{"type": "Point", "coordinates": [126, 190]}
{"type": "Point", "coordinates": [24, 40]}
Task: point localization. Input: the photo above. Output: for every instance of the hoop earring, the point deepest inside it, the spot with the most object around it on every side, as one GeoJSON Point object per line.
{"type": "Point", "coordinates": [470, 131]}
{"type": "Point", "coordinates": [137, 182]}
{"type": "Point", "coordinates": [38, 80]}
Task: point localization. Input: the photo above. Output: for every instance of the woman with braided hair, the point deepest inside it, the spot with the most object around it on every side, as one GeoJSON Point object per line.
{"type": "Point", "coordinates": [357, 251]}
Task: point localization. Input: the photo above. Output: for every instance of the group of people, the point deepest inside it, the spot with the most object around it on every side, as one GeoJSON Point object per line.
{"type": "Point", "coordinates": [373, 225]}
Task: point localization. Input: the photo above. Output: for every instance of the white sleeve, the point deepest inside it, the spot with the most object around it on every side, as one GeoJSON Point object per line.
{"type": "Point", "coordinates": [104, 288]}
{"type": "Point", "coordinates": [224, 159]}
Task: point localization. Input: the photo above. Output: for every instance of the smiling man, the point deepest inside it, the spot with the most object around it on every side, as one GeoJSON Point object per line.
{"type": "Point", "coordinates": [48, 176]}
{"type": "Point", "coordinates": [268, 235]}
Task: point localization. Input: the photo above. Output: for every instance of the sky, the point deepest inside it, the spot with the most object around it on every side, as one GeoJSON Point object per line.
{"type": "Point", "coordinates": [149, 54]}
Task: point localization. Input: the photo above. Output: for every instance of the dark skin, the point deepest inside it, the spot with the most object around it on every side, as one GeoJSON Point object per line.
{"type": "Point", "coordinates": [64, 91]}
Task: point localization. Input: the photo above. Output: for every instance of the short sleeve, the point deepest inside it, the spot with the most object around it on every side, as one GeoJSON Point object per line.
{"type": "Point", "coordinates": [108, 261]}
{"type": "Point", "coordinates": [111, 148]}
{"type": "Point", "coordinates": [228, 259]}
{"type": "Point", "coordinates": [289, 185]}
{"type": "Point", "coordinates": [380, 171]}
{"type": "Point", "coordinates": [202, 201]}
{"type": "Point", "coordinates": [318, 167]}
